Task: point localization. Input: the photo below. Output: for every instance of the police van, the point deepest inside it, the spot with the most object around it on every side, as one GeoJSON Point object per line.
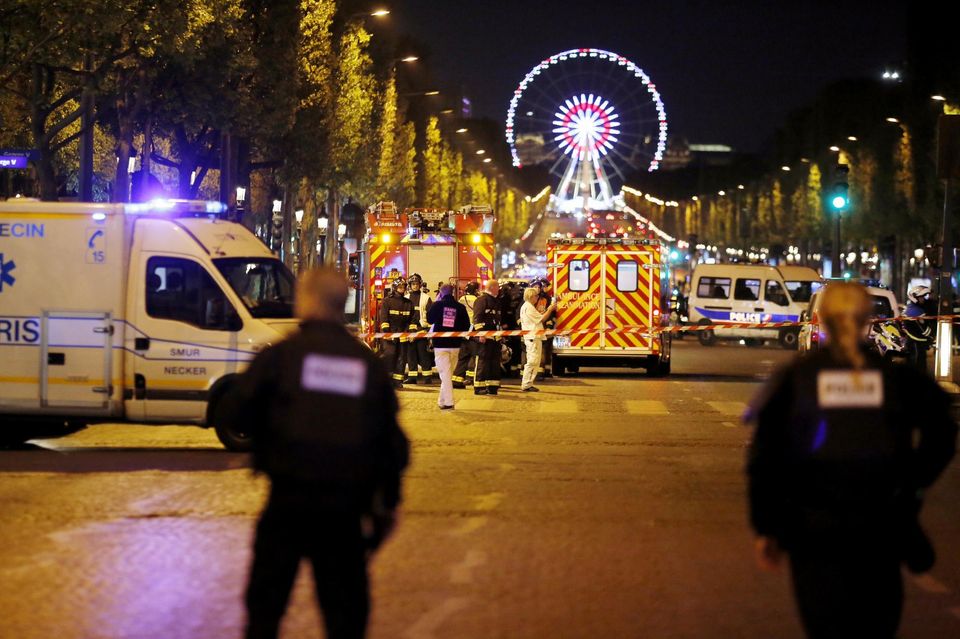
{"type": "Point", "coordinates": [754, 293]}
{"type": "Point", "coordinates": [139, 312]}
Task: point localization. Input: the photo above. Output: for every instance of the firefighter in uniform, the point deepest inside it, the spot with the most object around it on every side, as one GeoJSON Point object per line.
{"type": "Point", "coordinates": [323, 422]}
{"type": "Point", "coordinates": [511, 298]}
{"type": "Point", "coordinates": [394, 317]}
{"type": "Point", "coordinates": [544, 301]}
{"type": "Point", "coordinates": [466, 368]}
{"type": "Point", "coordinates": [420, 357]}
{"type": "Point", "coordinates": [844, 446]}
{"type": "Point", "coordinates": [486, 317]}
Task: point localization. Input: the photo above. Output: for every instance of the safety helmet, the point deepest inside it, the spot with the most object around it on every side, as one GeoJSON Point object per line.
{"type": "Point", "coordinates": [918, 294]}
{"type": "Point", "coordinates": [397, 284]}
{"type": "Point", "coordinates": [415, 279]}
{"type": "Point", "coordinates": [472, 288]}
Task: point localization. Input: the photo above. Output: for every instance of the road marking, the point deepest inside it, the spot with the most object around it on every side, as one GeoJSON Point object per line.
{"type": "Point", "coordinates": [646, 407]}
{"type": "Point", "coordinates": [733, 409]}
{"type": "Point", "coordinates": [462, 573]}
{"type": "Point", "coordinates": [558, 406]}
{"type": "Point", "coordinates": [427, 624]}
{"type": "Point", "coordinates": [469, 525]}
{"type": "Point", "coordinates": [729, 424]}
{"type": "Point", "coordinates": [485, 404]}
{"type": "Point", "coordinates": [931, 584]}
{"type": "Point", "coordinates": [488, 501]}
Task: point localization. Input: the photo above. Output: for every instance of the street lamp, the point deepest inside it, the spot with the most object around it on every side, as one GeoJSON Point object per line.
{"type": "Point", "coordinates": [462, 130]}
{"type": "Point", "coordinates": [938, 98]}
{"type": "Point", "coordinates": [298, 214]}
{"type": "Point", "coordinates": [322, 222]}
{"type": "Point", "coordinates": [835, 148]}
{"type": "Point", "coordinates": [893, 120]}
{"type": "Point", "coordinates": [409, 58]}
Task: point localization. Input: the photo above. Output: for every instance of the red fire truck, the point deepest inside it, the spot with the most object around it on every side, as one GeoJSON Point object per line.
{"type": "Point", "coordinates": [438, 244]}
{"type": "Point", "coordinates": [607, 283]}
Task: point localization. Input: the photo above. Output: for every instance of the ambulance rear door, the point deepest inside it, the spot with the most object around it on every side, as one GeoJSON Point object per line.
{"type": "Point", "coordinates": [630, 298]}
{"type": "Point", "coordinates": [578, 282]}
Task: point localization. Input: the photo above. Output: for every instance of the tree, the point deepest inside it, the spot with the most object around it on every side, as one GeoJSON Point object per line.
{"type": "Point", "coordinates": [432, 164]}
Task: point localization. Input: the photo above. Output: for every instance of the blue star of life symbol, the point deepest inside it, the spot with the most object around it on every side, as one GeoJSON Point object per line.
{"type": "Point", "coordinates": [5, 268]}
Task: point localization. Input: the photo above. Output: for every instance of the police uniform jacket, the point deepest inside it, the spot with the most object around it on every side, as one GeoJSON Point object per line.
{"type": "Point", "coordinates": [833, 455]}
{"type": "Point", "coordinates": [323, 417]}
{"type": "Point", "coordinates": [486, 313]}
{"type": "Point", "coordinates": [916, 329]}
{"type": "Point", "coordinates": [396, 313]}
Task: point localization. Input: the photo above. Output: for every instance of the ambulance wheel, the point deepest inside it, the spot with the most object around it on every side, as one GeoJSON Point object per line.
{"type": "Point", "coordinates": [789, 338]}
{"type": "Point", "coordinates": [232, 438]}
{"type": "Point", "coordinates": [706, 337]}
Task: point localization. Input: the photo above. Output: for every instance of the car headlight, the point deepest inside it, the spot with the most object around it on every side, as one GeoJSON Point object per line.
{"type": "Point", "coordinates": [561, 341]}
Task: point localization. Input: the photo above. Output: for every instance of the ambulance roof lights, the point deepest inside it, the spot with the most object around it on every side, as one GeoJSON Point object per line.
{"type": "Point", "coordinates": [166, 205]}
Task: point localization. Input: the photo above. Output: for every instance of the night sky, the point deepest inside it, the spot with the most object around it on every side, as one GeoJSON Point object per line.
{"type": "Point", "coordinates": [728, 72]}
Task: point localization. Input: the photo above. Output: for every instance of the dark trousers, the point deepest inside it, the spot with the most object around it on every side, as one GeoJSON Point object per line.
{"type": "Point", "coordinates": [488, 366]}
{"type": "Point", "coordinates": [289, 529]}
{"type": "Point", "coordinates": [395, 358]}
{"type": "Point", "coordinates": [466, 362]}
{"type": "Point", "coordinates": [853, 592]}
{"type": "Point", "coordinates": [419, 356]}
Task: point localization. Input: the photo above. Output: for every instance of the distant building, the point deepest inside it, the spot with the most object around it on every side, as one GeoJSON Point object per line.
{"type": "Point", "coordinates": [681, 154]}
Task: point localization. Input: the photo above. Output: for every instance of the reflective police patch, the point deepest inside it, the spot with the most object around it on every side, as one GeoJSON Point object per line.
{"type": "Point", "coordinates": [336, 375]}
{"type": "Point", "coordinates": [850, 389]}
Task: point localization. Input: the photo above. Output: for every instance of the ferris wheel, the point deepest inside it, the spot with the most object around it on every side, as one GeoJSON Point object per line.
{"type": "Point", "coordinates": [592, 117]}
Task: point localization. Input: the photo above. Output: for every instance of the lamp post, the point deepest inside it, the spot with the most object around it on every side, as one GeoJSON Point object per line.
{"type": "Point", "coordinates": [241, 193]}
{"type": "Point", "coordinates": [322, 222]}
{"type": "Point", "coordinates": [298, 214]}
{"type": "Point", "coordinates": [341, 233]}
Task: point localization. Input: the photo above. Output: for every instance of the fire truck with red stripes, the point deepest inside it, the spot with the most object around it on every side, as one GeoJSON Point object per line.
{"type": "Point", "coordinates": [607, 291]}
{"type": "Point", "coordinates": [438, 244]}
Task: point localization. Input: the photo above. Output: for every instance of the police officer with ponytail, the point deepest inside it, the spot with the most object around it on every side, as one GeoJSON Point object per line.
{"type": "Point", "coordinates": [844, 447]}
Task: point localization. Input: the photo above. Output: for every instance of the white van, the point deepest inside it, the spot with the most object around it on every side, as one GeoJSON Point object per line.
{"type": "Point", "coordinates": [755, 293]}
{"type": "Point", "coordinates": [139, 312]}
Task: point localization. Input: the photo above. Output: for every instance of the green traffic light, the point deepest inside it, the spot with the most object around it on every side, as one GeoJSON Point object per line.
{"type": "Point", "coordinates": [838, 202]}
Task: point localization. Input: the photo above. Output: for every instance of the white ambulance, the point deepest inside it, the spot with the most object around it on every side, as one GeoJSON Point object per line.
{"type": "Point", "coordinates": [137, 312]}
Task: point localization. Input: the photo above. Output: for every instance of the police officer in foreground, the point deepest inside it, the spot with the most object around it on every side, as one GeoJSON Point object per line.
{"type": "Point", "coordinates": [394, 317]}
{"type": "Point", "coordinates": [419, 356]}
{"type": "Point", "coordinates": [466, 370]}
{"type": "Point", "coordinates": [486, 317]}
{"type": "Point", "coordinates": [920, 332]}
{"type": "Point", "coordinates": [323, 418]}
{"type": "Point", "coordinates": [836, 480]}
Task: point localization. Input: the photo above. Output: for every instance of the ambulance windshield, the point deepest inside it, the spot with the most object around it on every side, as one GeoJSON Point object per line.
{"type": "Point", "coordinates": [264, 284]}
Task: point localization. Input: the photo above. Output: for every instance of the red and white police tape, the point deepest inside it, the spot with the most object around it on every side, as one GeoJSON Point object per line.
{"type": "Point", "coordinates": [649, 331]}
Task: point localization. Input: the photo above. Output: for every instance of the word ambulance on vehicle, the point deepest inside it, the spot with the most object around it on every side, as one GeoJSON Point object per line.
{"type": "Point", "coordinates": [437, 244]}
{"type": "Point", "coordinates": [139, 312]}
{"type": "Point", "coordinates": [751, 293]}
{"type": "Point", "coordinates": [601, 285]}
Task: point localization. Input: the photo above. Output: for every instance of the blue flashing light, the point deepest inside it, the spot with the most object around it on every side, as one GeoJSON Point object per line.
{"type": "Point", "coordinates": [216, 207]}
{"type": "Point", "coordinates": [847, 275]}
{"type": "Point", "coordinates": [674, 256]}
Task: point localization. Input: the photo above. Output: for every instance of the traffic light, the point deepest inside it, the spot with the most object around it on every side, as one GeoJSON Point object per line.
{"type": "Point", "coordinates": [839, 197]}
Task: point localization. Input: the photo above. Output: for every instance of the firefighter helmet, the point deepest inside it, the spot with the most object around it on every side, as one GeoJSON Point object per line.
{"type": "Point", "coordinates": [472, 288]}
{"type": "Point", "coordinates": [397, 284]}
{"type": "Point", "coordinates": [415, 279]}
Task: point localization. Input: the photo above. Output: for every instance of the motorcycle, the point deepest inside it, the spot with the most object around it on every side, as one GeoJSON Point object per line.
{"type": "Point", "coordinates": [888, 339]}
